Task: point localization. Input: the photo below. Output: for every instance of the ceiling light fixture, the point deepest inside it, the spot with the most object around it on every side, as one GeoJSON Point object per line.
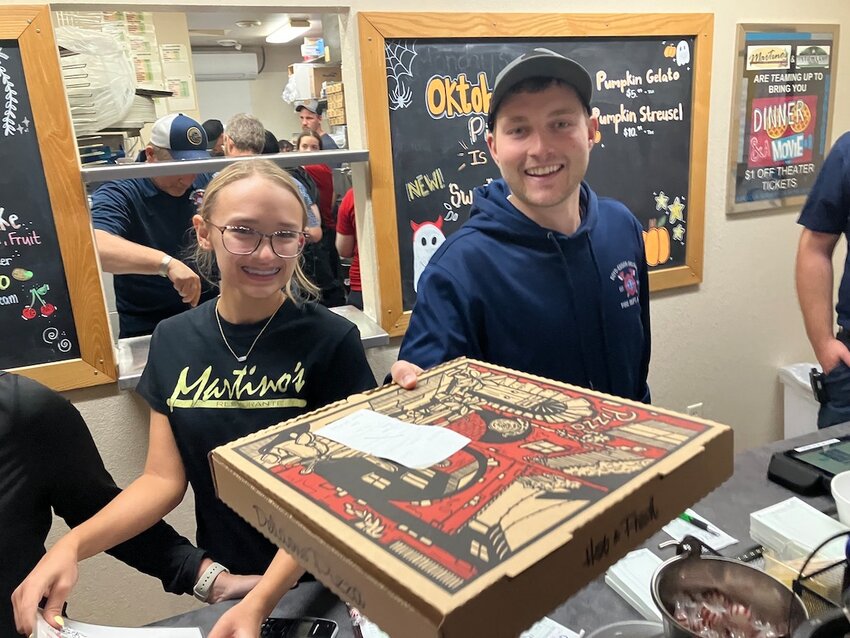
{"type": "Point", "coordinates": [248, 24]}
{"type": "Point", "coordinates": [289, 31]}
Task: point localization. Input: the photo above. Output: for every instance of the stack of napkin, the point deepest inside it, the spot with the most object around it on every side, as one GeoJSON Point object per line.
{"type": "Point", "coordinates": [631, 577]}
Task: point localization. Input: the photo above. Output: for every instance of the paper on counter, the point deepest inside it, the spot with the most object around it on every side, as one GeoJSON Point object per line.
{"type": "Point", "coordinates": [678, 529]}
{"type": "Point", "coordinates": [76, 629]}
{"type": "Point", "coordinates": [416, 446]}
{"type": "Point", "coordinates": [43, 628]}
{"type": "Point", "coordinates": [548, 628]}
{"type": "Point", "coordinates": [368, 629]}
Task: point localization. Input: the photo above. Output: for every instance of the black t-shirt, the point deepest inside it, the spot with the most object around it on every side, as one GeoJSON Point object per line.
{"type": "Point", "coordinates": [305, 359]}
{"type": "Point", "coordinates": [48, 460]}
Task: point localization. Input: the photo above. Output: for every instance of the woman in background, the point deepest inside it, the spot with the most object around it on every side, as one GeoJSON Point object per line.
{"type": "Point", "coordinates": [327, 271]}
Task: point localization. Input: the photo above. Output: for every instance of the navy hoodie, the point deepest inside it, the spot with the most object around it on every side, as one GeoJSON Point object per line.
{"type": "Point", "coordinates": [505, 290]}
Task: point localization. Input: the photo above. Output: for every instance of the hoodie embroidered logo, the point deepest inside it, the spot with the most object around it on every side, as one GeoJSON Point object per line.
{"type": "Point", "coordinates": [625, 275]}
{"type": "Point", "coordinates": [240, 390]}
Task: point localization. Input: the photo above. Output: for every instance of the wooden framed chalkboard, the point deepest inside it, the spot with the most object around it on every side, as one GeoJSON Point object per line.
{"type": "Point", "coordinates": [52, 312]}
{"type": "Point", "coordinates": [427, 79]}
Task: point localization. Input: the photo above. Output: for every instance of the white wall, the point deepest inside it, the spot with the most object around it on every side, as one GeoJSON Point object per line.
{"type": "Point", "coordinates": [720, 343]}
{"type": "Point", "coordinates": [221, 99]}
{"type": "Point", "coordinates": [261, 97]}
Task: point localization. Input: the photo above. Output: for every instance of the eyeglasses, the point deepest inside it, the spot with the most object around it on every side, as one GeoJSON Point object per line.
{"type": "Point", "coordinates": [241, 240]}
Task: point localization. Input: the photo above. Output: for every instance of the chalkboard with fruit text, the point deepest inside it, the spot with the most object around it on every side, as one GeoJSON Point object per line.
{"type": "Point", "coordinates": [52, 314]}
{"type": "Point", "coordinates": [428, 139]}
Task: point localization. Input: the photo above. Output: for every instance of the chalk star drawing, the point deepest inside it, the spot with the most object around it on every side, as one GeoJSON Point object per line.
{"type": "Point", "coordinates": [661, 201]}
{"type": "Point", "coordinates": [679, 233]}
{"type": "Point", "coordinates": [676, 209]}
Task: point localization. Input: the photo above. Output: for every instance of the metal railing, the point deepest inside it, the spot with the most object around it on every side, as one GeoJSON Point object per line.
{"type": "Point", "coordinates": [100, 173]}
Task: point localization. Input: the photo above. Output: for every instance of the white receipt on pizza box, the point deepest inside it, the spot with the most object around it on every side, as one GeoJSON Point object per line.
{"type": "Point", "coordinates": [416, 446]}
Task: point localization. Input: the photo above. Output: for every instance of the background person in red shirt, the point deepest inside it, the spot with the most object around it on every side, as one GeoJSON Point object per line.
{"type": "Point", "coordinates": [346, 244]}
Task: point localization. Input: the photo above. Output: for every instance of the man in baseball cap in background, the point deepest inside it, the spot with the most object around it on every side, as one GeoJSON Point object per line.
{"type": "Point", "coordinates": [141, 227]}
{"type": "Point", "coordinates": [310, 113]}
{"type": "Point", "coordinates": [545, 277]}
{"type": "Point", "coordinates": [215, 137]}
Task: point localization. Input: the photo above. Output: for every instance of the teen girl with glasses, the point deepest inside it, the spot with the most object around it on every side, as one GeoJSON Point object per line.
{"type": "Point", "coordinates": [260, 353]}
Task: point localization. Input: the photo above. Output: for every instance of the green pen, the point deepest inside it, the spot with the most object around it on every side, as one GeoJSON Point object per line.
{"type": "Point", "coordinates": [696, 522]}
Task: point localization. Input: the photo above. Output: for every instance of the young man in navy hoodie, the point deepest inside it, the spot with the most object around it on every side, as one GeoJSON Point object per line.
{"type": "Point", "coordinates": [545, 277]}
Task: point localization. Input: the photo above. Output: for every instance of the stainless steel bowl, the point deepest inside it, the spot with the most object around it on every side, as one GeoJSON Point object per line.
{"type": "Point", "coordinates": [769, 599]}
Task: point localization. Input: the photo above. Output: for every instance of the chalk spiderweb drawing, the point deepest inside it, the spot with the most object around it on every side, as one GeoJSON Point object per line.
{"type": "Point", "coordinates": [10, 101]}
{"type": "Point", "coordinates": [400, 55]}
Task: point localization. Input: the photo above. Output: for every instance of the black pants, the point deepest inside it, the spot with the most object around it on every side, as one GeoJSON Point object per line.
{"type": "Point", "coordinates": [329, 243]}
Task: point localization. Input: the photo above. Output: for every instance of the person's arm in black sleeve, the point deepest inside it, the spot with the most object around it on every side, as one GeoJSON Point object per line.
{"type": "Point", "coordinates": [82, 486]}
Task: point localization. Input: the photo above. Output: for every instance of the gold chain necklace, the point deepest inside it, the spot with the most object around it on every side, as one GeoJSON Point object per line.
{"type": "Point", "coordinates": [256, 339]}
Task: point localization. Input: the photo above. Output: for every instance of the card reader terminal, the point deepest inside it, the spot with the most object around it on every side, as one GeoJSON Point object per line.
{"type": "Point", "coordinates": [808, 469]}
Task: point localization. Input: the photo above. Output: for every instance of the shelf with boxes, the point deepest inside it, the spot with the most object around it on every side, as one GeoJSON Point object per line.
{"type": "Point", "coordinates": [309, 78]}
{"type": "Point", "coordinates": [336, 103]}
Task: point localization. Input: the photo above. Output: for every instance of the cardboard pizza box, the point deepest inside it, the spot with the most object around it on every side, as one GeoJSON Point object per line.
{"type": "Point", "coordinates": [556, 485]}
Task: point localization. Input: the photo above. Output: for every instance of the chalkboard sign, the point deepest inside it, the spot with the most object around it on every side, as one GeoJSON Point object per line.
{"type": "Point", "coordinates": [649, 153]}
{"type": "Point", "coordinates": [35, 308]}
{"type": "Point", "coordinates": [52, 313]}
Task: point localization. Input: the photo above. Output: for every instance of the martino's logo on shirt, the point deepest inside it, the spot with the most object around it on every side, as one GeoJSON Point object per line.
{"type": "Point", "coordinates": [242, 388]}
{"type": "Point", "coordinates": [624, 275]}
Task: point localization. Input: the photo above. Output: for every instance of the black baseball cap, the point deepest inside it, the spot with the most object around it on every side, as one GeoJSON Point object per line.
{"type": "Point", "coordinates": [214, 130]}
{"type": "Point", "coordinates": [540, 63]}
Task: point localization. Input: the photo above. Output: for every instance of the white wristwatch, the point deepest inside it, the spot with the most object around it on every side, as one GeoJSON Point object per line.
{"type": "Point", "coordinates": [163, 265]}
{"type": "Point", "coordinates": [203, 587]}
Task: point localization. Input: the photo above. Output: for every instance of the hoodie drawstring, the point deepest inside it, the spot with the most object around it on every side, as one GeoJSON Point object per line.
{"type": "Point", "coordinates": [601, 309]}
{"type": "Point", "coordinates": [551, 236]}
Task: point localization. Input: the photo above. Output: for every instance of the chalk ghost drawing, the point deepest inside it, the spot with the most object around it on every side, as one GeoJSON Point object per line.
{"type": "Point", "coordinates": [427, 238]}
{"type": "Point", "coordinates": [683, 53]}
